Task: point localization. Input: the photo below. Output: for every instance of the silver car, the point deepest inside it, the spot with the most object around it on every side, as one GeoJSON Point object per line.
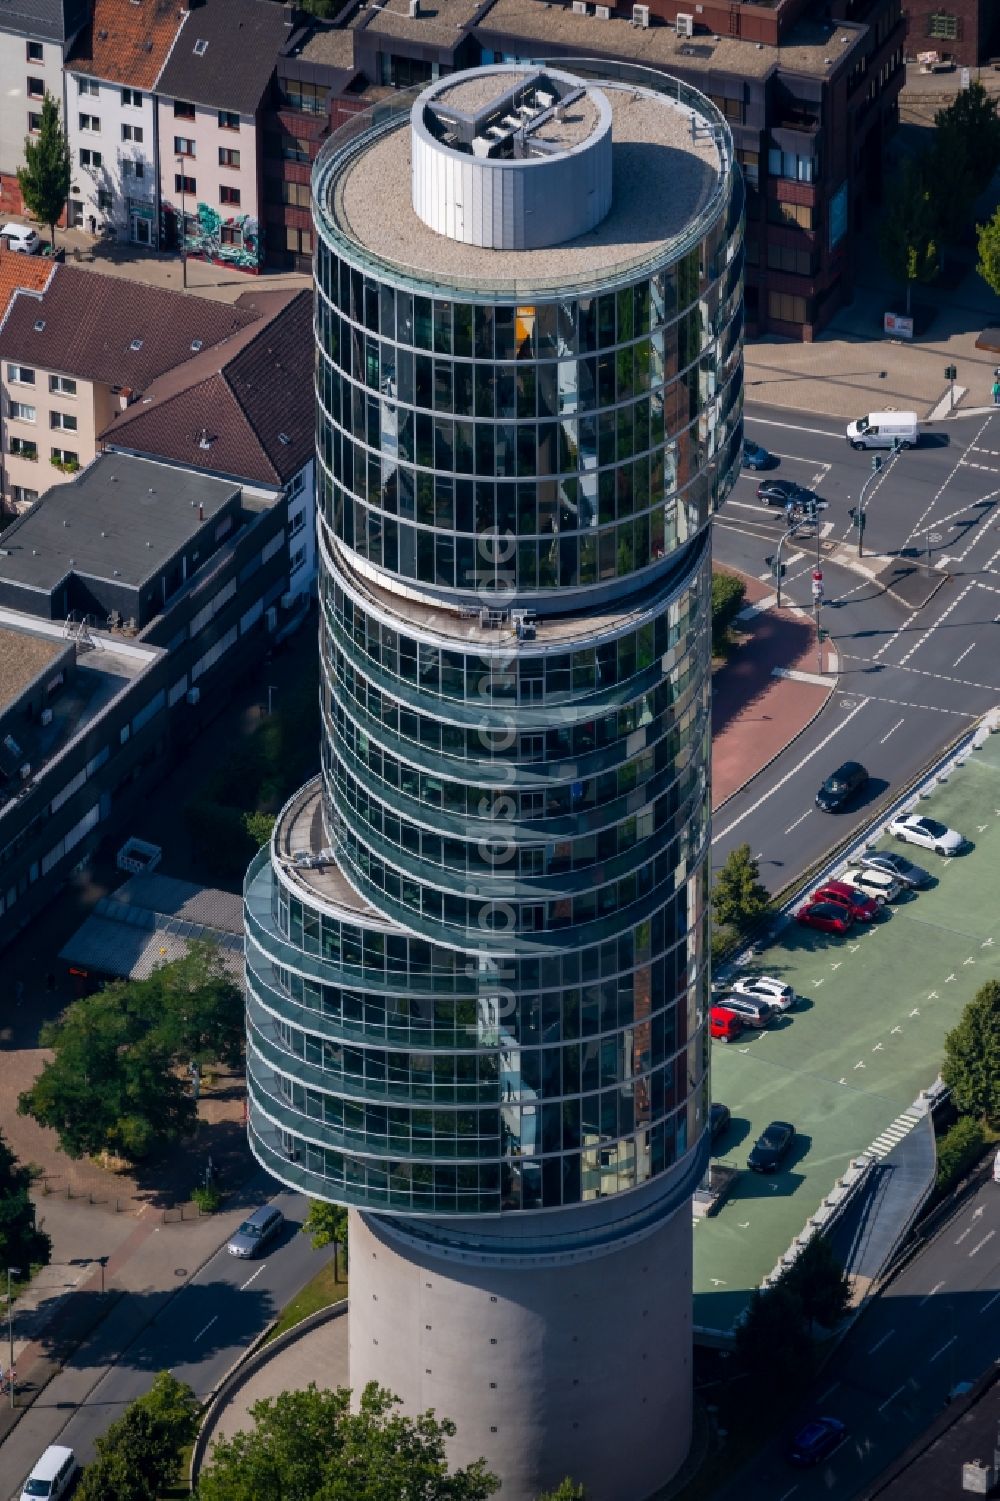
{"type": "Point", "coordinates": [765, 988]}
{"type": "Point", "coordinates": [256, 1232]}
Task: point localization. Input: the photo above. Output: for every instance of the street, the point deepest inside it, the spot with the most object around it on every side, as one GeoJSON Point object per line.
{"type": "Point", "coordinates": [196, 1333]}
{"type": "Point", "coordinates": [911, 679]}
{"type": "Point", "coordinates": [937, 1324]}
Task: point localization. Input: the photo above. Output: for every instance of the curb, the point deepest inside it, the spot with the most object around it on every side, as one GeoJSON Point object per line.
{"type": "Point", "coordinates": [248, 1364]}
{"type": "Point", "coordinates": [834, 681]}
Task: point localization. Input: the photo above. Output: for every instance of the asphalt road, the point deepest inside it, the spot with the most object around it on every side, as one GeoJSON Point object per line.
{"type": "Point", "coordinates": [911, 680]}
{"type": "Point", "coordinates": [201, 1331]}
{"type": "Point", "coordinates": [938, 1323]}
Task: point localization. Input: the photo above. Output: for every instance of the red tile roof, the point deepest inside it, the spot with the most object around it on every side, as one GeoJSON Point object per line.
{"type": "Point", "coordinates": [128, 41]}
{"type": "Point", "coordinates": [29, 271]}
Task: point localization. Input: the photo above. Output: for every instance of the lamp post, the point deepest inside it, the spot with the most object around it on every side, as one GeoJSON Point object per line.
{"type": "Point", "coordinates": [12, 1271]}
{"type": "Point", "coordinates": [776, 560]}
{"type": "Point", "coordinates": [858, 515]}
{"type": "Point", "coordinates": [183, 234]}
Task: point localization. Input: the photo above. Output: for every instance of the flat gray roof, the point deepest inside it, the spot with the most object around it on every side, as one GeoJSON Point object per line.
{"type": "Point", "coordinates": [663, 181]}
{"type": "Point", "coordinates": [121, 513]}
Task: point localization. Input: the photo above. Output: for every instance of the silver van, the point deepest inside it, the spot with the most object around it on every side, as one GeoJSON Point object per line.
{"type": "Point", "coordinates": [751, 1011]}
{"type": "Point", "coordinates": [884, 430]}
{"type": "Point", "coordinates": [257, 1231]}
{"type": "Point", "coordinates": [52, 1476]}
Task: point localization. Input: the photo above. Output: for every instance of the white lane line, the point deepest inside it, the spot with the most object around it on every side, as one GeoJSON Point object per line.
{"type": "Point", "coordinates": [831, 1389]}
{"type": "Point", "coordinates": [946, 1346]}
{"type": "Point", "coordinates": [883, 1341]}
{"type": "Point", "coordinates": [789, 1493]}
{"type": "Point", "coordinates": [963, 656]}
{"type": "Point", "coordinates": [893, 1397]}
{"type": "Point", "coordinates": [795, 825]}
{"type": "Point", "coordinates": [980, 1243]}
{"type": "Point", "coordinates": [926, 635]}
{"type": "Point", "coordinates": [819, 432]}
{"type": "Point", "coordinates": [964, 1236]}
{"type": "Point", "coordinates": [892, 731]}
{"type": "Point", "coordinates": [789, 774]}
{"type": "Point", "coordinates": [990, 1303]}
{"type": "Point", "coordinates": [935, 1289]}
{"type": "Point", "coordinates": [206, 1329]}
{"type": "Point", "coordinates": [251, 1279]}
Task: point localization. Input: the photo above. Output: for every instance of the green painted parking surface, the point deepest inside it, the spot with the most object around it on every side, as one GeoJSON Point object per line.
{"type": "Point", "coordinates": [867, 1038]}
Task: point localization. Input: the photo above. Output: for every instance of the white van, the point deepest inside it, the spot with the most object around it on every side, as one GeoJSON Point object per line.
{"type": "Point", "coordinates": [52, 1476]}
{"type": "Point", "coordinates": [883, 430]}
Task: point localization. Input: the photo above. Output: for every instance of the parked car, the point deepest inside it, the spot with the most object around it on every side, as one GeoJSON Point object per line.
{"type": "Point", "coordinates": [724, 1025]}
{"type": "Point", "coordinates": [874, 883]}
{"type": "Point", "coordinates": [771, 1146]}
{"type": "Point", "coordinates": [912, 828]}
{"type": "Point", "coordinates": [53, 1476]}
{"type": "Point", "coordinates": [862, 908]}
{"type": "Point", "coordinates": [778, 492]}
{"type": "Point", "coordinates": [765, 988]}
{"type": "Point", "coordinates": [816, 1440]}
{"type": "Point", "coordinates": [752, 1011]}
{"type": "Point", "coordinates": [841, 785]}
{"type": "Point", "coordinates": [21, 238]}
{"type": "Point", "coordinates": [828, 917]}
{"type": "Point", "coordinates": [256, 1233]}
{"type": "Point", "coordinates": [755, 457]}
{"type": "Point", "coordinates": [718, 1119]}
{"type": "Point", "coordinates": [902, 870]}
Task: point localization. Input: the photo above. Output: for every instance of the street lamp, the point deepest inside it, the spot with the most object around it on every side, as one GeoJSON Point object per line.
{"type": "Point", "coordinates": [12, 1271]}
{"type": "Point", "coordinates": [858, 515]}
{"type": "Point", "coordinates": [775, 562]}
{"type": "Point", "coordinates": [184, 264]}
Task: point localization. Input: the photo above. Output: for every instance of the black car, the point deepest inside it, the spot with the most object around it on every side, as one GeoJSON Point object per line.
{"type": "Point", "coordinates": [718, 1120]}
{"type": "Point", "coordinates": [898, 867]}
{"type": "Point", "coordinates": [816, 1440]}
{"type": "Point", "coordinates": [755, 457]}
{"type": "Point", "coordinates": [841, 785]}
{"type": "Point", "coordinates": [770, 1147]}
{"type": "Point", "coordinates": [779, 492]}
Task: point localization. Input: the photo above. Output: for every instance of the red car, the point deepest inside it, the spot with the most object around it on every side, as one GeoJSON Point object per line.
{"type": "Point", "coordinates": [862, 908]}
{"type": "Point", "coordinates": [829, 917]}
{"type": "Point", "coordinates": [724, 1024]}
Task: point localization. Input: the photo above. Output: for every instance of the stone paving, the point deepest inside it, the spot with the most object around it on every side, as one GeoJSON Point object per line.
{"type": "Point", "coordinates": [320, 1356]}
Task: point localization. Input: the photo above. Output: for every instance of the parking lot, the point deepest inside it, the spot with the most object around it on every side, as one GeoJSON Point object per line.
{"type": "Point", "coordinates": [864, 1040]}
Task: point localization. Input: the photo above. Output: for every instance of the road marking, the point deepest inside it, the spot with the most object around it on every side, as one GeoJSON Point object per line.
{"type": "Point", "coordinates": [990, 1303]}
{"type": "Point", "coordinates": [935, 1289]}
{"type": "Point", "coordinates": [926, 635]}
{"type": "Point", "coordinates": [895, 1394]}
{"type": "Point", "coordinates": [946, 1346]}
{"type": "Point", "coordinates": [818, 432]}
{"type": "Point", "coordinates": [964, 1236]}
{"type": "Point", "coordinates": [979, 1244]}
{"type": "Point", "coordinates": [964, 655]}
{"type": "Point", "coordinates": [826, 529]}
{"type": "Point", "coordinates": [895, 727]}
{"type": "Point", "coordinates": [831, 1389]}
{"type": "Point", "coordinates": [879, 1343]}
{"type": "Point", "coordinates": [795, 825]}
{"type": "Point", "coordinates": [251, 1279]}
{"type": "Point", "coordinates": [789, 1493]}
{"type": "Point", "coordinates": [206, 1329]}
{"type": "Point", "coordinates": [789, 774]}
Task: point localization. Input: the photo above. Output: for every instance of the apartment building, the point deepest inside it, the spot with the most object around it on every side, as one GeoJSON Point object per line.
{"type": "Point", "coordinates": [211, 92]}
{"type": "Point", "coordinates": [35, 38]}
{"type": "Point", "coordinates": [112, 119]}
{"type": "Point", "coordinates": [965, 32]}
{"type": "Point", "coordinates": [80, 350]}
{"type": "Point", "coordinates": [810, 93]}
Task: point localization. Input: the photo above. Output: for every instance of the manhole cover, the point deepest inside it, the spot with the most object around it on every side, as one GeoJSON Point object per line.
{"type": "Point", "coordinates": [180, 1271]}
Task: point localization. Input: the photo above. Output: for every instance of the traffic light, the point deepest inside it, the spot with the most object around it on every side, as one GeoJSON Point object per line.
{"type": "Point", "coordinates": [823, 633]}
{"type": "Point", "coordinates": [858, 518]}
{"type": "Point", "coordinates": [951, 372]}
{"type": "Point", "coordinates": [876, 464]}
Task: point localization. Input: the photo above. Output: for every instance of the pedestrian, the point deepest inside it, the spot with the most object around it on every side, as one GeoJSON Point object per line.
{"type": "Point", "coordinates": [996, 392]}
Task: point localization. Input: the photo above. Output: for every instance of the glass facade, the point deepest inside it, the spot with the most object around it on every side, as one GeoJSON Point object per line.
{"type": "Point", "coordinates": [477, 950]}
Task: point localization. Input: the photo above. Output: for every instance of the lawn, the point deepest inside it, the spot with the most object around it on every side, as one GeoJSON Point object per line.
{"type": "Point", "coordinates": [320, 1292]}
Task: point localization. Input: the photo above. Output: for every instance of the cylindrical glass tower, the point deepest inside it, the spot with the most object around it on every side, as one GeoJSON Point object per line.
{"type": "Point", "coordinates": [477, 948]}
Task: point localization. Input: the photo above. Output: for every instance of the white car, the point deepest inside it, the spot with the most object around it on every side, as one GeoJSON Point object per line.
{"type": "Point", "coordinates": [873, 883]}
{"type": "Point", "coordinates": [21, 238]}
{"type": "Point", "coordinates": [765, 988]}
{"type": "Point", "coordinates": [913, 828]}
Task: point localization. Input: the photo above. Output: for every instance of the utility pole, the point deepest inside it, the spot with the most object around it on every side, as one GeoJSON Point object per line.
{"type": "Point", "coordinates": [857, 514]}
{"type": "Point", "coordinates": [775, 562]}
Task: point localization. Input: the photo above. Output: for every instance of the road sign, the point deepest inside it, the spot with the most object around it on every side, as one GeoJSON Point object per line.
{"type": "Point", "coordinates": [824, 634]}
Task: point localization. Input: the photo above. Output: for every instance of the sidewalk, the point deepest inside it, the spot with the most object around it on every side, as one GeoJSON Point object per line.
{"type": "Point", "coordinates": [754, 713]}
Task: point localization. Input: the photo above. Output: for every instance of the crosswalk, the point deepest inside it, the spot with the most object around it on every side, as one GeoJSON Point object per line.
{"type": "Point", "coordinates": [893, 1135]}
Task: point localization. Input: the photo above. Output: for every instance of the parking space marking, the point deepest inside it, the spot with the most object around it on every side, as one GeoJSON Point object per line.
{"type": "Point", "coordinates": [883, 1341]}
{"type": "Point", "coordinates": [990, 1303]}
{"type": "Point", "coordinates": [946, 1346]}
{"type": "Point", "coordinates": [964, 654]}
{"type": "Point", "coordinates": [898, 1392]}
{"type": "Point", "coordinates": [935, 1289]}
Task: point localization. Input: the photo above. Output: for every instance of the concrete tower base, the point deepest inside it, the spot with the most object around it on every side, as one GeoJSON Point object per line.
{"type": "Point", "coordinates": [550, 1364]}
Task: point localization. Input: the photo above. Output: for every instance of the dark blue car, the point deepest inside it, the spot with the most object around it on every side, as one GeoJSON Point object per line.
{"type": "Point", "coordinates": [816, 1440]}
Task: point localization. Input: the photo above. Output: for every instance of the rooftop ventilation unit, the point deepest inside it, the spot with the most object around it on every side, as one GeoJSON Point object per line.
{"type": "Point", "coordinates": [580, 8]}
{"type": "Point", "coordinates": [200, 47]}
{"type": "Point", "coordinates": [413, 8]}
{"type": "Point", "coordinates": [602, 12]}
{"type": "Point", "coordinates": [640, 16]}
{"type": "Point", "coordinates": [684, 23]}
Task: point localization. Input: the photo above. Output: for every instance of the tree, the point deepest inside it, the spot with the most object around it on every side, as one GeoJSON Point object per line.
{"type": "Point", "coordinates": [44, 179]}
{"type": "Point", "coordinates": [908, 229]}
{"type": "Point", "coordinates": [326, 1224]}
{"type": "Point", "coordinates": [310, 1445]}
{"type": "Point", "coordinates": [972, 1056]}
{"type": "Point", "coordinates": [949, 174]}
{"type": "Point", "coordinates": [200, 1005]}
{"type": "Point", "coordinates": [819, 1282]}
{"type": "Point", "coordinates": [728, 595]}
{"type": "Point", "coordinates": [773, 1347]}
{"type": "Point", "coordinates": [739, 897]}
{"type": "Point", "coordinates": [139, 1455]}
{"type": "Point", "coordinates": [988, 243]}
{"type": "Point", "coordinates": [22, 1245]}
{"type": "Point", "coordinates": [969, 130]}
{"type": "Point", "coordinates": [566, 1490]}
{"type": "Point", "coordinates": [958, 1150]}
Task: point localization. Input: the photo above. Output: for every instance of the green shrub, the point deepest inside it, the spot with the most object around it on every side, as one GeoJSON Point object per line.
{"type": "Point", "coordinates": [958, 1150]}
{"type": "Point", "coordinates": [207, 1197]}
{"type": "Point", "coordinates": [728, 597]}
